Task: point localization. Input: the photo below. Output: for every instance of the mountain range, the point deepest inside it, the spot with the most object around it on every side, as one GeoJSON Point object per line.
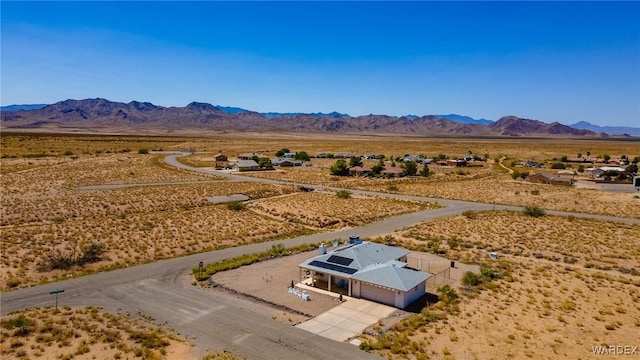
{"type": "Point", "coordinates": [101, 115]}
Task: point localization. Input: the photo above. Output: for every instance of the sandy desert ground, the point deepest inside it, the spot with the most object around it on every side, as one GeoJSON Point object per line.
{"type": "Point", "coordinates": [572, 283]}
{"type": "Point", "coordinates": [87, 333]}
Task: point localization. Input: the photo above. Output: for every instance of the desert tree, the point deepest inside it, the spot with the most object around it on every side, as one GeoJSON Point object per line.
{"type": "Point", "coordinates": [425, 170]}
{"type": "Point", "coordinates": [302, 155]}
{"type": "Point", "coordinates": [355, 161]}
{"type": "Point", "coordinates": [409, 168]}
{"type": "Point", "coordinates": [340, 168]}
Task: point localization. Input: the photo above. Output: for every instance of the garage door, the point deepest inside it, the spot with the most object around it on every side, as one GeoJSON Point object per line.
{"type": "Point", "coordinates": [378, 294]}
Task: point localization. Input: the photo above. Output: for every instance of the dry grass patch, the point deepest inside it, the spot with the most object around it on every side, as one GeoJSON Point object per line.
{"type": "Point", "coordinates": [501, 189]}
{"type": "Point", "coordinates": [544, 307]}
{"type": "Point", "coordinates": [89, 333]}
{"type": "Point", "coordinates": [328, 211]}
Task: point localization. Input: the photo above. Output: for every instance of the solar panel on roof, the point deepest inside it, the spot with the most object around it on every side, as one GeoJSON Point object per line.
{"type": "Point", "coordinates": [340, 260]}
{"type": "Point", "coordinates": [334, 267]}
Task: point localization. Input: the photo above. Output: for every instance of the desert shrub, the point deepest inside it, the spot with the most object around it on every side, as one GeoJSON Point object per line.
{"type": "Point", "coordinates": [392, 188]}
{"type": "Point", "coordinates": [91, 253]}
{"type": "Point", "coordinates": [469, 214]}
{"type": "Point", "coordinates": [533, 211]}
{"type": "Point", "coordinates": [448, 295]}
{"type": "Point", "coordinates": [149, 339]}
{"type": "Point", "coordinates": [34, 156]}
{"type": "Point", "coordinates": [23, 324]}
{"type": "Point", "coordinates": [343, 194]}
{"type": "Point", "coordinates": [235, 205]}
{"type": "Point", "coordinates": [425, 170]}
{"type": "Point", "coordinates": [471, 279]}
{"type": "Point", "coordinates": [302, 155]}
{"type": "Point", "coordinates": [222, 355]}
{"type": "Point", "coordinates": [558, 165]}
{"type": "Point", "coordinates": [68, 153]}
{"type": "Point", "coordinates": [355, 161]}
{"type": "Point", "coordinates": [73, 255]}
{"type": "Point", "coordinates": [143, 151]}
{"type": "Point", "coordinates": [365, 346]}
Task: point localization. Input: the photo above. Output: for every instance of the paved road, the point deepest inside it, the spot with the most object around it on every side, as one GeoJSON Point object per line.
{"type": "Point", "coordinates": [215, 319]}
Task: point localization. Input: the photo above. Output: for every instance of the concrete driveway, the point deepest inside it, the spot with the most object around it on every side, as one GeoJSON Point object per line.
{"type": "Point", "coordinates": [347, 320]}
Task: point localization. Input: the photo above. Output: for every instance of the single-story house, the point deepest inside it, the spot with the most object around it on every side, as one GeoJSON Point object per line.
{"type": "Point", "coordinates": [359, 170]}
{"type": "Point", "coordinates": [392, 171]}
{"type": "Point", "coordinates": [370, 156]}
{"type": "Point", "coordinates": [416, 158]}
{"type": "Point", "coordinates": [247, 165]}
{"type": "Point", "coordinates": [320, 155]}
{"type": "Point", "coordinates": [344, 155]}
{"type": "Point", "coordinates": [289, 155]}
{"type": "Point", "coordinates": [369, 271]}
{"type": "Point", "coordinates": [531, 163]}
{"type": "Point", "coordinates": [550, 179]}
{"type": "Point", "coordinates": [285, 162]}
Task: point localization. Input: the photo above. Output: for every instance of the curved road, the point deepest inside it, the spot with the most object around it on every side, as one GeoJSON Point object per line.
{"type": "Point", "coordinates": [214, 319]}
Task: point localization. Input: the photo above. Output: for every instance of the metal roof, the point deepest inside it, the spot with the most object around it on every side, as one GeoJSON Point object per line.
{"type": "Point", "coordinates": [390, 276]}
{"type": "Point", "coordinates": [369, 262]}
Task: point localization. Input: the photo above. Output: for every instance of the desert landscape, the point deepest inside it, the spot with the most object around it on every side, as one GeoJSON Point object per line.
{"type": "Point", "coordinates": [74, 205]}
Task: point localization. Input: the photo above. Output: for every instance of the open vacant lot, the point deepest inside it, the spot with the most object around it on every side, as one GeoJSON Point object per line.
{"type": "Point", "coordinates": [569, 285]}
{"type": "Point", "coordinates": [89, 333]}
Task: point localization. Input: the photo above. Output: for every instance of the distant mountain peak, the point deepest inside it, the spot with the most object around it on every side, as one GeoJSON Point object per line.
{"type": "Point", "coordinates": [611, 130]}
{"type": "Point", "coordinates": [99, 114]}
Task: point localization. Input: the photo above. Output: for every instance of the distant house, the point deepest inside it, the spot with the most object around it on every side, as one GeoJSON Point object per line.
{"type": "Point", "coordinates": [531, 163]}
{"type": "Point", "coordinates": [285, 162]}
{"type": "Point", "coordinates": [369, 271]}
{"type": "Point", "coordinates": [246, 156]}
{"type": "Point", "coordinates": [593, 173]}
{"type": "Point", "coordinates": [550, 179]}
{"type": "Point", "coordinates": [370, 156]}
{"type": "Point", "coordinates": [456, 163]}
{"type": "Point", "coordinates": [289, 155]}
{"type": "Point", "coordinates": [344, 155]}
{"type": "Point", "coordinates": [360, 170]}
{"type": "Point", "coordinates": [220, 161]}
{"type": "Point", "coordinates": [247, 165]}
{"type": "Point", "coordinates": [392, 172]}
{"type": "Point", "coordinates": [320, 155]}
{"type": "Point", "coordinates": [416, 158]}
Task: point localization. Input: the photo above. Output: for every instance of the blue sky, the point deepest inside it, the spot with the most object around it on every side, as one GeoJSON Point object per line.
{"type": "Point", "coordinates": [550, 61]}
